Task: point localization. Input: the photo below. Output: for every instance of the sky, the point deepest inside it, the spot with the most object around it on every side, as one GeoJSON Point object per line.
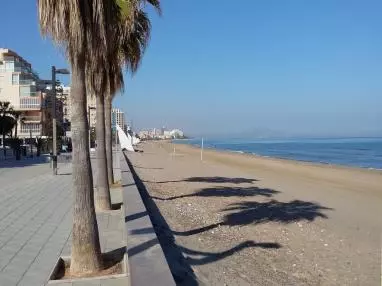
{"type": "Point", "coordinates": [287, 68]}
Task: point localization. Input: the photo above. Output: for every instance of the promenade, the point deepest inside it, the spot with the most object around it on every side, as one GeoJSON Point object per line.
{"type": "Point", "coordinates": [36, 222]}
{"type": "Point", "coordinates": [35, 219]}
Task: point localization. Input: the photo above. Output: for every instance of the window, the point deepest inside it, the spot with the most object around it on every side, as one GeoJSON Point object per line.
{"type": "Point", "coordinates": [9, 66]}
{"type": "Point", "coordinates": [15, 79]}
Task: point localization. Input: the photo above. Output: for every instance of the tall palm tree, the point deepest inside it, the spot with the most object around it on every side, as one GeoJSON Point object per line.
{"type": "Point", "coordinates": [84, 29]}
{"type": "Point", "coordinates": [135, 28]}
{"type": "Point", "coordinates": [97, 83]}
{"type": "Point", "coordinates": [116, 84]}
{"type": "Point", "coordinates": [6, 111]}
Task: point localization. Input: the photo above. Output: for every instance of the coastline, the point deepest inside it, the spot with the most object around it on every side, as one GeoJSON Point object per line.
{"type": "Point", "coordinates": [288, 220]}
{"type": "Point", "coordinates": [271, 158]}
{"type": "Point", "coordinates": [350, 178]}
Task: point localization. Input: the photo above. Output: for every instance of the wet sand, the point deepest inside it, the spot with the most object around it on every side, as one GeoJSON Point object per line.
{"type": "Point", "coordinates": [245, 220]}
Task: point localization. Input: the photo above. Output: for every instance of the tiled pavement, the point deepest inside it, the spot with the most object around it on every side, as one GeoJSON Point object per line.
{"type": "Point", "coordinates": [35, 223]}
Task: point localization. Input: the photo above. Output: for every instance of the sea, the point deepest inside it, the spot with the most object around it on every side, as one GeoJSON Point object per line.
{"type": "Point", "coordinates": [354, 152]}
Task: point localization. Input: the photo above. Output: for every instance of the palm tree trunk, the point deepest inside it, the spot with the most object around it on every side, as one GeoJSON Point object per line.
{"type": "Point", "coordinates": [17, 122]}
{"type": "Point", "coordinates": [102, 198]}
{"type": "Point", "coordinates": [108, 139]}
{"type": "Point", "coordinates": [86, 250]}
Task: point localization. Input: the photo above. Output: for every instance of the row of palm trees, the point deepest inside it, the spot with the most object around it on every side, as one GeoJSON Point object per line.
{"type": "Point", "coordinates": [9, 119]}
{"type": "Point", "coordinates": [100, 38]}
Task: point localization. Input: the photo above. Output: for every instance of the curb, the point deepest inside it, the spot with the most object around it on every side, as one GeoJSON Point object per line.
{"type": "Point", "coordinates": [147, 262]}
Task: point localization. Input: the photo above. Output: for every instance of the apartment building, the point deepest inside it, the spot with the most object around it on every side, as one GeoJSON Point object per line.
{"type": "Point", "coordinates": [118, 117]}
{"type": "Point", "coordinates": [19, 85]}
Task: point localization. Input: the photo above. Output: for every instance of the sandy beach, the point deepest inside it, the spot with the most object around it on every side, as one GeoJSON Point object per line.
{"type": "Point", "coordinates": [245, 220]}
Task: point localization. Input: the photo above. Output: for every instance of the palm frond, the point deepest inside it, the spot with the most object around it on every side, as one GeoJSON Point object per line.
{"type": "Point", "coordinates": [133, 43]}
{"type": "Point", "coordinates": [156, 5]}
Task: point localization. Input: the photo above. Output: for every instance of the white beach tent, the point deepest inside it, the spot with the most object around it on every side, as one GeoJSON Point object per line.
{"type": "Point", "coordinates": [125, 140]}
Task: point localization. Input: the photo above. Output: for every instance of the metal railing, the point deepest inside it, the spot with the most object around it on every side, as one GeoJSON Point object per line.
{"type": "Point", "coordinates": [27, 82]}
{"type": "Point", "coordinates": [35, 131]}
{"type": "Point", "coordinates": [30, 103]}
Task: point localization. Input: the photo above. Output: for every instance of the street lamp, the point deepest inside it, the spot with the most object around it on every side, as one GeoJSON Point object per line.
{"type": "Point", "coordinates": [54, 72]}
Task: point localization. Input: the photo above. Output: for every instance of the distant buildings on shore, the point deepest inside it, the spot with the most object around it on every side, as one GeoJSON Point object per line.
{"type": "Point", "coordinates": [161, 134]}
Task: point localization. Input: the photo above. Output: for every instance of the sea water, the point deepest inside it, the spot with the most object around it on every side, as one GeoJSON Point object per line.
{"type": "Point", "coordinates": [355, 152]}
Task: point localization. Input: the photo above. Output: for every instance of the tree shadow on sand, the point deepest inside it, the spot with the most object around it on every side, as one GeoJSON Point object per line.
{"type": "Point", "coordinates": [245, 213]}
{"type": "Point", "coordinates": [178, 263]}
{"type": "Point", "coordinates": [216, 180]}
{"type": "Point", "coordinates": [204, 257]}
{"type": "Point", "coordinates": [225, 192]}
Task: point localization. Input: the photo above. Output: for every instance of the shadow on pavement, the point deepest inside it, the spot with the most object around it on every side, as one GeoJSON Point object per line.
{"type": "Point", "coordinates": [24, 162]}
{"type": "Point", "coordinates": [136, 216]}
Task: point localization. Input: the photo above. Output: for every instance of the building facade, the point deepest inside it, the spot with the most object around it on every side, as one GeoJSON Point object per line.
{"type": "Point", "coordinates": [19, 85]}
{"type": "Point", "coordinates": [64, 97]}
{"type": "Point", "coordinates": [118, 117]}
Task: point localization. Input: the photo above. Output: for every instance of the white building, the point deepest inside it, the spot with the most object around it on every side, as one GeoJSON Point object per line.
{"type": "Point", "coordinates": [19, 86]}
{"type": "Point", "coordinates": [176, 134]}
{"type": "Point", "coordinates": [118, 117]}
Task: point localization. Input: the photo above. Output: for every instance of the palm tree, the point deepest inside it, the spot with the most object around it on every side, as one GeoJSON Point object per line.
{"type": "Point", "coordinates": [17, 115]}
{"type": "Point", "coordinates": [135, 33]}
{"type": "Point", "coordinates": [117, 84]}
{"type": "Point", "coordinates": [102, 194]}
{"type": "Point", "coordinates": [6, 111]}
{"type": "Point", "coordinates": [108, 138]}
{"type": "Point", "coordinates": [84, 29]}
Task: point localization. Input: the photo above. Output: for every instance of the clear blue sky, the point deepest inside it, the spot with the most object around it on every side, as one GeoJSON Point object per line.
{"type": "Point", "coordinates": [289, 67]}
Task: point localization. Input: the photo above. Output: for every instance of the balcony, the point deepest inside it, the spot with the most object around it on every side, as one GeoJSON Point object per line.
{"type": "Point", "coordinates": [32, 119]}
{"type": "Point", "coordinates": [30, 103]}
{"type": "Point", "coordinates": [22, 69]}
{"type": "Point", "coordinates": [16, 69]}
{"type": "Point", "coordinates": [27, 82]}
{"type": "Point", "coordinates": [27, 129]}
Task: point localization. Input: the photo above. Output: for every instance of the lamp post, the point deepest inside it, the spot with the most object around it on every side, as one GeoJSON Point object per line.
{"type": "Point", "coordinates": [54, 73]}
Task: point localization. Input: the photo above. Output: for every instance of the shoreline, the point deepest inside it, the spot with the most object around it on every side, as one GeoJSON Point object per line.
{"type": "Point", "coordinates": [285, 160]}
{"type": "Point", "coordinates": [296, 217]}
{"type": "Point", "coordinates": [349, 178]}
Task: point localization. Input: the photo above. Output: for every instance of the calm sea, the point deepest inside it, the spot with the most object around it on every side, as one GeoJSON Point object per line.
{"type": "Point", "coordinates": [356, 152]}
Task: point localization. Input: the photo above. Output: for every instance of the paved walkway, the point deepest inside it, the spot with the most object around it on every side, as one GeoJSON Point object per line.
{"type": "Point", "coordinates": [35, 221]}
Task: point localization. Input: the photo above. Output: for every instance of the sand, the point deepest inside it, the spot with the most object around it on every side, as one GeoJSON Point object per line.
{"type": "Point", "coordinates": [245, 220]}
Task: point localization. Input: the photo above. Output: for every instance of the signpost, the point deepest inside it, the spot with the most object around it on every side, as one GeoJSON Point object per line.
{"type": "Point", "coordinates": [201, 150]}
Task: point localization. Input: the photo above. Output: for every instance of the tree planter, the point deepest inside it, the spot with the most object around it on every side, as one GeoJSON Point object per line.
{"type": "Point", "coordinates": [116, 267]}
